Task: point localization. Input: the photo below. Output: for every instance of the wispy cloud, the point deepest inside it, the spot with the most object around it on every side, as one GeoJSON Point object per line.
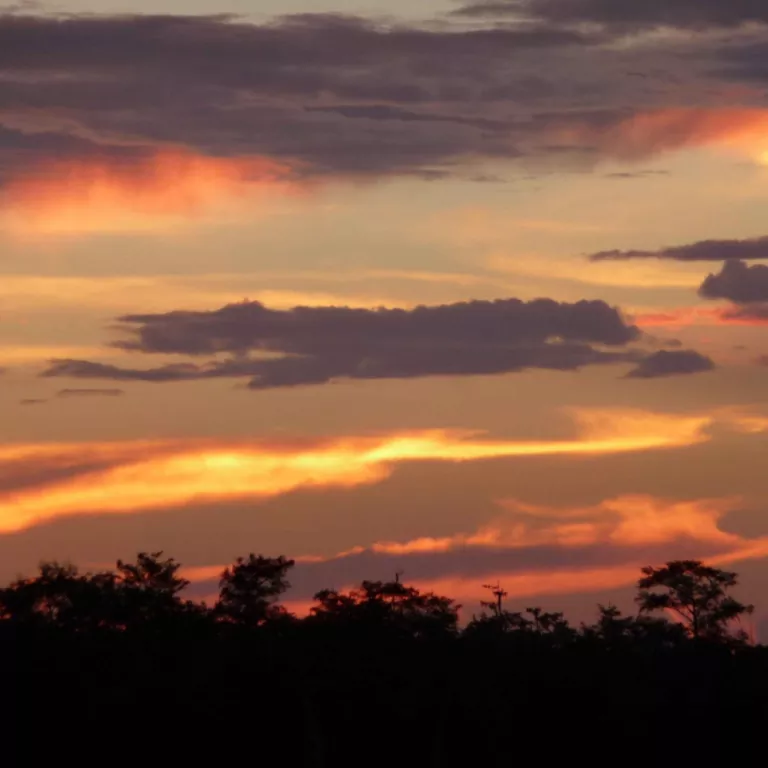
{"type": "Point", "coordinates": [134, 476]}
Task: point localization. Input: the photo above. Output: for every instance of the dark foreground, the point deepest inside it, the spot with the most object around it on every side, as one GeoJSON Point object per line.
{"type": "Point", "coordinates": [124, 672]}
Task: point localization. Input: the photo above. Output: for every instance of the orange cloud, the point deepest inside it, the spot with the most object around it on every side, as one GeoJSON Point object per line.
{"type": "Point", "coordinates": [742, 420]}
{"type": "Point", "coordinates": [626, 521]}
{"type": "Point", "coordinates": [664, 130]}
{"type": "Point", "coordinates": [108, 194]}
{"type": "Point", "coordinates": [689, 316]}
{"type": "Point", "coordinates": [628, 529]}
{"type": "Point", "coordinates": [677, 317]}
{"type": "Point", "coordinates": [629, 523]}
{"type": "Point", "coordinates": [152, 475]}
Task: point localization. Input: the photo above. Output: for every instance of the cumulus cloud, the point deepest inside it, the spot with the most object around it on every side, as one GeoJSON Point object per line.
{"type": "Point", "coordinates": [671, 363]}
{"type": "Point", "coordinates": [306, 330]}
{"type": "Point", "coordinates": [737, 282]}
{"type": "Point", "coordinates": [313, 345]}
{"type": "Point", "coordinates": [705, 250]}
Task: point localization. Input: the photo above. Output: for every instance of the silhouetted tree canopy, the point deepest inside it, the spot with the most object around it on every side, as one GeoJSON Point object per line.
{"type": "Point", "coordinates": [249, 589]}
{"type": "Point", "coordinates": [116, 666]}
{"type": "Point", "coordinates": [387, 607]}
{"type": "Point", "coordinates": [697, 595]}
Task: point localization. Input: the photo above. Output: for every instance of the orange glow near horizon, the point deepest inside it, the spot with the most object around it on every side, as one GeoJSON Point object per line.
{"type": "Point", "coordinates": [154, 475]}
{"type": "Point", "coordinates": [99, 194]}
{"type": "Point", "coordinates": [624, 522]}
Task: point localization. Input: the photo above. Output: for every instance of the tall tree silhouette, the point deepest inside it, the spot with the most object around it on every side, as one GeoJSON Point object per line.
{"type": "Point", "coordinates": [250, 588]}
{"type": "Point", "coordinates": [148, 589]}
{"type": "Point", "coordinates": [697, 595]}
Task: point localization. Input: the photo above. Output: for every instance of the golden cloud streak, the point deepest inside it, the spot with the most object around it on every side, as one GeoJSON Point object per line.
{"type": "Point", "coordinates": [154, 475]}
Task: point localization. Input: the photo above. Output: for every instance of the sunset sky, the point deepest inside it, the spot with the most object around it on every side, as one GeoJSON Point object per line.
{"type": "Point", "coordinates": [471, 290]}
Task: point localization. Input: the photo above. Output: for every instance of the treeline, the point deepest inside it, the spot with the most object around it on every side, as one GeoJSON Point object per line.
{"type": "Point", "coordinates": [117, 666]}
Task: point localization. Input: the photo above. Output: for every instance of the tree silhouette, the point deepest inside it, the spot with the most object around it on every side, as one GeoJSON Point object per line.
{"type": "Point", "coordinates": [697, 595]}
{"type": "Point", "coordinates": [148, 589]}
{"type": "Point", "coordinates": [249, 589]}
{"type": "Point", "coordinates": [60, 596]}
{"type": "Point", "coordinates": [384, 658]}
{"type": "Point", "coordinates": [388, 605]}
{"type": "Point", "coordinates": [615, 631]}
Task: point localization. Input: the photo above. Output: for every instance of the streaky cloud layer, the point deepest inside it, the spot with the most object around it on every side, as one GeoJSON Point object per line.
{"type": "Point", "coordinates": [130, 477]}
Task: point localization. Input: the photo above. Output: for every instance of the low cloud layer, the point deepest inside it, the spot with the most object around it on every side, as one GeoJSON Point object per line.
{"type": "Point", "coordinates": [705, 250]}
{"type": "Point", "coordinates": [315, 345]}
{"type": "Point", "coordinates": [671, 363]}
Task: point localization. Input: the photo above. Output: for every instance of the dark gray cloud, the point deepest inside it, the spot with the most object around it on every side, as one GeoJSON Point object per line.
{"type": "Point", "coordinates": [270, 90]}
{"type": "Point", "coordinates": [385, 112]}
{"type": "Point", "coordinates": [394, 363]}
{"type": "Point", "coordinates": [737, 282]}
{"type": "Point", "coordinates": [305, 330]}
{"type": "Point", "coordinates": [90, 392]}
{"type": "Point", "coordinates": [705, 250]}
{"type": "Point", "coordinates": [337, 95]}
{"type": "Point", "coordinates": [32, 401]}
{"type": "Point", "coordinates": [665, 363]}
{"type": "Point", "coordinates": [747, 63]}
{"type": "Point", "coordinates": [627, 14]}
{"type": "Point", "coordinates": [83, 369]}
{"type": "Point", "coordinates": [314, 345]}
